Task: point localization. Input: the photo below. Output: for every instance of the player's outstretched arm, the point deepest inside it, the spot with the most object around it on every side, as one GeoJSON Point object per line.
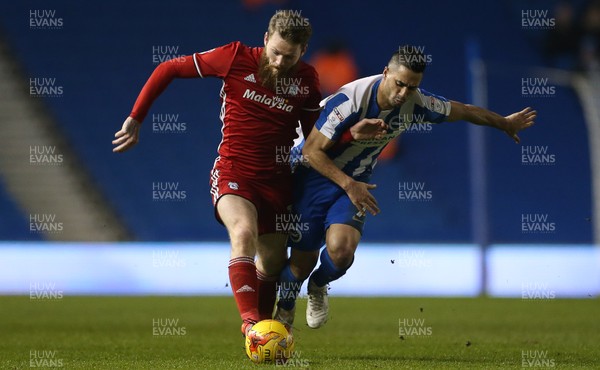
{"type": "Point", "coordinates": [511, 124]}
{"type": "Point", "coordinates": [128, 136]}
{"type": "Point", "coordinates": [162, 76]}
{"type": "Point", "coordinates": [315, 149]}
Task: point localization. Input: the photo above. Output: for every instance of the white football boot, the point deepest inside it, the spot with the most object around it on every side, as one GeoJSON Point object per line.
{"type": "Point", "coordinates": [317, 309]}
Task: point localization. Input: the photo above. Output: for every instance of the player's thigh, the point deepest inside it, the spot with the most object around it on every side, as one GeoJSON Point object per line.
{"type": "Point", "coordinates": [344, 228]}
{"type": "Point", "coordinates": [311, 205]}
{"type": "Point", "coordinates": [272, 253]}
{"type": "Point", "coordinates": [273, 200]}
{"type": "Point", "coordinates": [239, 216]}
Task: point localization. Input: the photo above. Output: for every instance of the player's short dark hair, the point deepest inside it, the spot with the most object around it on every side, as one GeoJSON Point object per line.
{"type": "Point", "coordinates": [409, 56]}
{"type": "Point", "coordinates": [291, 25]}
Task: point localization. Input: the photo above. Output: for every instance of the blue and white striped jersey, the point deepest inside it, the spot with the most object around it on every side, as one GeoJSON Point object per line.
{"type": "Point", "coordinates": [357, 100]}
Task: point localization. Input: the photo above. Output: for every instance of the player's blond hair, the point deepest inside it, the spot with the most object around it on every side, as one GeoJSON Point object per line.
{"type": "Point", "coordinates": [291, 25]}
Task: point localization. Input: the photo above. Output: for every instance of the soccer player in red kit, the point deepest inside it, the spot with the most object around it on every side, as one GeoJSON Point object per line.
{"type": "Point", "coordinates": [266, 92]}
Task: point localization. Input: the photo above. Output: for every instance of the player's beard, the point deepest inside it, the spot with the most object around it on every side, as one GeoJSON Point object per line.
{"type": "Point", "coordinates": [269, 75]}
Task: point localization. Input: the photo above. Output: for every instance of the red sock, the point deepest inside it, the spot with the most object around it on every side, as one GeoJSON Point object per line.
{"type": "Point", "coordinates": [242, 276]}
{"type": "Point", "coordinates": [267, 293]}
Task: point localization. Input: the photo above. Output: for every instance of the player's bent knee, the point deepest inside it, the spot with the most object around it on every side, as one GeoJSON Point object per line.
{"type": "Point", "coordinates": [243, 234]}
{"type": "Point", "coordinates": [341, 245]}
{"type": "Point", "coordinates": [341, 251]}
{"type": "Point", "coordinates": [342, 257]}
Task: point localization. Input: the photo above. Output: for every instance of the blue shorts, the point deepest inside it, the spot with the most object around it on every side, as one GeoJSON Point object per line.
{"type": "Point", "coordinates": [318, 203]}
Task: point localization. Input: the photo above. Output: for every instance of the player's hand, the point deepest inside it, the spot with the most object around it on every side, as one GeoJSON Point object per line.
{"type": "Point", "coordinates": [359, 194]}
{"type": "Point", "coordinates": [519, 121]}
{"type": "Point", "coordinates": [128, 136]}
{"type": "Point", "coordinates": [369, 128]}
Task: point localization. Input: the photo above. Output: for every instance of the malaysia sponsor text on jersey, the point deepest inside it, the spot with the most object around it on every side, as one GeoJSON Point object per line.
{"type": "Point", "coordinates": [272, 102]}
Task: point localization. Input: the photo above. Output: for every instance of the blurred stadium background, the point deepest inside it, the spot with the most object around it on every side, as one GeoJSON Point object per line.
{"type": "Point", "coordinates": [493, 217]}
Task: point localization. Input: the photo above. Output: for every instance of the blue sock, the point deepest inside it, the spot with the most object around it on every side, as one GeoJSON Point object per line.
{"type": "Point", "coordinates": [289, 288]}
{"type": "Point", "coordinates": [327, 272]}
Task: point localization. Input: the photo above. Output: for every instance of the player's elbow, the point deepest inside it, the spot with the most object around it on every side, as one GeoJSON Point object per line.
{"type": "Point", "coordinates": [308, 150]}
{"type": "Point", "coordinates": [165, 71]}
{"type": "Point", "coordinates": [458, 111]}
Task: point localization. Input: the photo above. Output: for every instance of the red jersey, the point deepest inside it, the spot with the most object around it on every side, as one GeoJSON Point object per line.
{"type": "Point", "coordinates": [259, 124]}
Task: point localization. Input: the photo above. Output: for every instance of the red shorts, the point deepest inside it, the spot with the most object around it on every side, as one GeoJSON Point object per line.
{"type": "Point", "coordinates": [271, 197]}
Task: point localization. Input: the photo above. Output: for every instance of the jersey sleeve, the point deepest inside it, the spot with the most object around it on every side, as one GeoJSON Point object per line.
{"type": "Point", "coordinates": [337, 116]}
{"type": "Point", "coordinates": [216, 62]}
{"type": "Point", "coordinates": [162, 76]}
{"type": "Point", "coordinates": [433, 108]}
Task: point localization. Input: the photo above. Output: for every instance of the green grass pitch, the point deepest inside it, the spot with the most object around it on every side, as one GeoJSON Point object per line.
{"type": "Point", "coordinates": [363, 333]}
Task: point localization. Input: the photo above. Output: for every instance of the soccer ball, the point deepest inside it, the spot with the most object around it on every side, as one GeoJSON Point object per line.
{"type": "Point", "coordinates": [269, 342]}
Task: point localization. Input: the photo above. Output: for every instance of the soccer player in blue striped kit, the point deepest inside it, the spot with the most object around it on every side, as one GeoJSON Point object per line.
{"type": "Point", "coordinates": [331, 196]}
